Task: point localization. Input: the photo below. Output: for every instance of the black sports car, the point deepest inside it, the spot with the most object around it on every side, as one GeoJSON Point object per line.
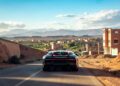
{"type": "Point", "coordinates": [60, 59]}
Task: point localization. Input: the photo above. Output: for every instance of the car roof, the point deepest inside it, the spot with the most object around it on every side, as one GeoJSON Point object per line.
{"type": "Point", "coordinates": [60, 51]}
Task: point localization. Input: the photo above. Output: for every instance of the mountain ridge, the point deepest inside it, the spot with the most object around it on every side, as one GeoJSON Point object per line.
{"type": "Point", "coordinates": [60, 32]}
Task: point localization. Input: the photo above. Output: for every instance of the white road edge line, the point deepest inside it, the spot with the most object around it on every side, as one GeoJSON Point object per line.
{"type": "Point", "coordinates": [26, 79]}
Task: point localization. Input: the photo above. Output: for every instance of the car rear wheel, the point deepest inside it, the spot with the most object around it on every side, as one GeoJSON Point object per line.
{"type": "Point", "coordinates": [75, 69]}
{"type": "Point", "coordinates": [45, 68]}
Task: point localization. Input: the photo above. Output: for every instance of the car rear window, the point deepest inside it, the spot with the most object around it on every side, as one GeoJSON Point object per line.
{"type": "Point", "coordinates": [60, 53]}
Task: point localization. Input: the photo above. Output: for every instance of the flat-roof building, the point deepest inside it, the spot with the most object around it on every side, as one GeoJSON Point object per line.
{"type": "Point", "coordinates": [111, 41]}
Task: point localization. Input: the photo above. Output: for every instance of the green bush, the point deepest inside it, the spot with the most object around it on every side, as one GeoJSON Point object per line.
{"type": "Point", "coordinates": [14, 60]}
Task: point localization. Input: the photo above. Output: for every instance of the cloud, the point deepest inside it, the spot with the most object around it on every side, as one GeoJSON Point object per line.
{"type": "Point", "coordinates": [66, 15]}
{"type": "Point", "coordinates": [100, 19]}
{"type": "Point", "coordinates": [54, 25]}
{"type": "Point", "coordinates": [11, 24]}
{"type": "Point", "coordinates": [86, 20]}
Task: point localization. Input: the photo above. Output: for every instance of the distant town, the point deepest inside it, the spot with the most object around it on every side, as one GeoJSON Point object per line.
{"type": "Point", "coordinates": [81, 45]}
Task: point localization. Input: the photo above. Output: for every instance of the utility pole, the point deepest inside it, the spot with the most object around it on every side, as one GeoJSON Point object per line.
{"type": "Point", "coordinates": [87, 47]}
{"type": "Point", "coordinates": [98, 48]}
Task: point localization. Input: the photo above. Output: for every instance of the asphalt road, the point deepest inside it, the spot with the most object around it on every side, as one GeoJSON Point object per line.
{"type": "Point", "coordinates": [32, 75]}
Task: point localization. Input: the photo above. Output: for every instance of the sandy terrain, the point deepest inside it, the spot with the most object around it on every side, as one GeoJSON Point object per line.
{"type": "Point", "coordinates": [107, 70]}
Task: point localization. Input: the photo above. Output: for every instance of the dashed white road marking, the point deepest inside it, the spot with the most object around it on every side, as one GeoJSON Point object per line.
{"type": "Point", "coordinates": [26, 79]}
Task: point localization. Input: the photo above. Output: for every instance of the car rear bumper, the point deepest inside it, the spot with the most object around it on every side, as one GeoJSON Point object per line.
{"type": "Point", "coordinates": [61, 65]}
{"type": "Point", "coordinates": [66, 67]}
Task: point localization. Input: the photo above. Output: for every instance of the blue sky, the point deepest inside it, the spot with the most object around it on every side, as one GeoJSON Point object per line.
{"type": "Point", "coordinates": [33, 13]}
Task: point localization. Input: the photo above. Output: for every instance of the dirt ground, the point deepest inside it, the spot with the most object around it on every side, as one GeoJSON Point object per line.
{"type": "Point", "coordinates": [107, 70]}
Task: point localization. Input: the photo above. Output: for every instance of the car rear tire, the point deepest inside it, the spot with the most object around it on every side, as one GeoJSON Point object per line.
{"type": "Point", "coordinates": [75, 68]}
{"type": "Point", "coordinates": [45, 68]}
